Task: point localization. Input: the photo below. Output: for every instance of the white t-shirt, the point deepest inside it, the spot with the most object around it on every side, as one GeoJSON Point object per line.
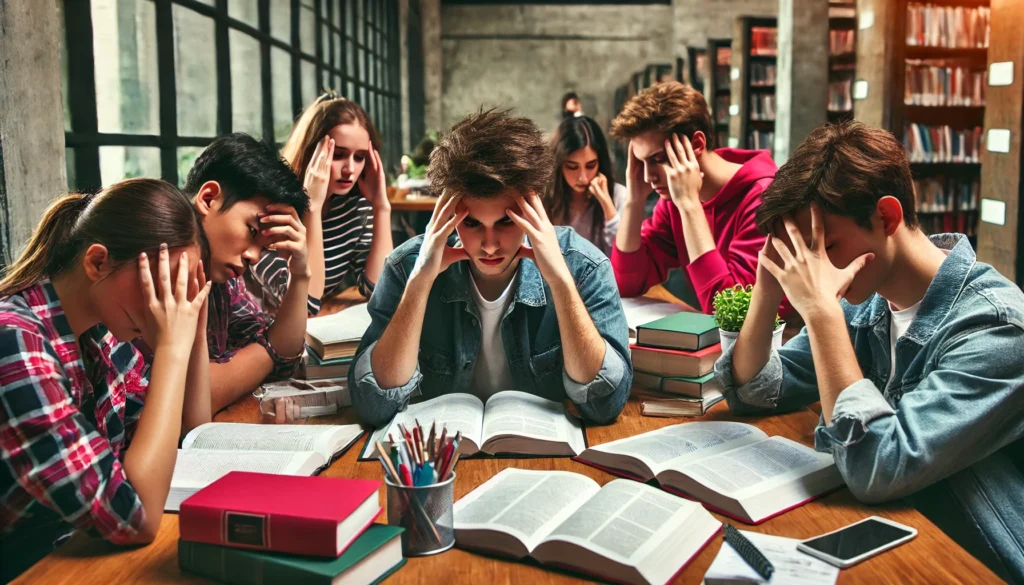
{"type": "Point", "coordinates": [899, 322]}
{"type": "Point", "coordinates": [492, 374]}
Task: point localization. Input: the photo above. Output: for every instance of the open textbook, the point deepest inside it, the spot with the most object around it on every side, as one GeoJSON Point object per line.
{"type": "Point", "coordinates": [625, 532]}
{"type": "Point", "coordinates": [734, 468]}
{"type": "Point", "coordinates": [211, 450]}
{"type": "Point", "coordinates": [510, 422]}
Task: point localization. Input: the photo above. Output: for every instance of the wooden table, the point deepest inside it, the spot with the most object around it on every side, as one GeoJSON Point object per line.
{"type": "Point", "coordinates": [400, 201]}
{"type": "Point", "coordinates": [930, 558]}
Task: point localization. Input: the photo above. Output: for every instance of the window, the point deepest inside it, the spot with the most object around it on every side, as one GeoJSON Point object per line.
{"type": "Point", "coordinates": [148, 84]}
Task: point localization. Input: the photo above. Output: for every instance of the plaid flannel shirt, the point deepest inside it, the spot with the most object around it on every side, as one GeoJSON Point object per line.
{"type": "Point", "coordinates": [67, 413]}
{"type": "Point", "coordinates": [234, 321]}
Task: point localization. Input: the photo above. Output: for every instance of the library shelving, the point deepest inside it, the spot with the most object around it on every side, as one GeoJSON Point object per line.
{"type": "Point", "coordinates": [697, 58]}
{"type": "Point", "coordinates": [924, 63]}
{"type": "Point", "coordinates": [752, 110]}
{"type": "Point", "coordinates": [842, 59]}
{"type": "Point", "coordinates": [717, 87]}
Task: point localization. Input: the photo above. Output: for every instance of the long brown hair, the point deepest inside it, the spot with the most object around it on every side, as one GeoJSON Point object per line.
{"type": "Point", "coordinates": [316, 121]}
{"type": "Point", "coordinates": [127, 218]}
{"type": "Point", "coordinates": [573, 134]}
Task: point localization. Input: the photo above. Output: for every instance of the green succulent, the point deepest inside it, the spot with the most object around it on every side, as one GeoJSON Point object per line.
{"type": "Point", "coordinates": [731, 305]}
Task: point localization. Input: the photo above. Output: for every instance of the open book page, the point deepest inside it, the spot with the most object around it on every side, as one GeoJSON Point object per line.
{"type": "Point", "coordinates": [525, 504]}
{"type": "Point", "coordinates": [527, 415]}
{"type": "Point", "coordinates": [674, 446]}
{"type": "Point", "coordinates": [641, 310]}
{"type": "Point", "coordinates": [324, 439]}
{"type": "Point", "coordinates": [460, 412]}
{"type": "Point", "coordinates": [626, 521]}
{"type": "Point", "coordinates": [347, 325]}
{"type": "Point", "coordinates": [791, 566]}
{"type": "Point", "coordinates": [195, 469]}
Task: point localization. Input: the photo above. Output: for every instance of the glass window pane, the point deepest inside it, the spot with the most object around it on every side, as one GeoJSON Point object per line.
{"type": "Point", "coordinates": [281, 20]}
{"type": "Point", "coordinates": [325, 44]}
{"type": "Point", "coordinates": [127, 162]}
{"type": "Point", "coordinates": [195, 71]}
{"type": "Point", "coordinates": [69, 165]}
{"type": "Point", "coordinates": [127, 86]}
{"type": "Point", "coordinates": [350, 93]}
{"type": "Point", "coordinates": [359, 23]}
{"type": "Point", "coordinates": [338, 64]}
{"type": "Point", "coordinates": [186, 158]}
{"type": "Point", "coordinates": [350, 59]}
{"type": "Point", "coordinates": [281, 88]}
{"type": "Point", "coordinates": [310, 84]}
{"type": "Point", "coordinates": [350, 17]}
{"type": "Point", "coordinates": [246, 10]}
{"type": "Point", "coordinates": [307, 30]}
{"type": "Point", "coordinates": [246, 84]}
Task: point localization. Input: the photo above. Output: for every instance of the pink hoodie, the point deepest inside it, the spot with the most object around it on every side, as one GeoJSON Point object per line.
{"type": "Point", "coordinates": [730, 214]}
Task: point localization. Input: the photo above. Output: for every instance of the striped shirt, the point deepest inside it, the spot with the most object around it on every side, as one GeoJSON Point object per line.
{"type": "Point", "coordinates": [348, 233]}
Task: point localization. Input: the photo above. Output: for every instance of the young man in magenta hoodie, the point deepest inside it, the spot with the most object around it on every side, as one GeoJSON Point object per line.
{"type": "Point", "coordinates": [704, 221]}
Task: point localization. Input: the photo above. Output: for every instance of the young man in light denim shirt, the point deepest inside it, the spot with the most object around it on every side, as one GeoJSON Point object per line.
{"type": "Point", "coordinates": [483, 312]}
{"type": "Point", "coordinates": [914, 348]}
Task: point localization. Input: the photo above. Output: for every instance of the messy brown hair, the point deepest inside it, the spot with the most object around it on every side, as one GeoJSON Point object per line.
{"type": "Point", "coordinates": [844, 168]}
{"type": "Point", "coordinates": [669, 107]}
{"type": "Point", "coordinates": [488, 153]}
{"type": "Point", "coordinates": [329, 110]}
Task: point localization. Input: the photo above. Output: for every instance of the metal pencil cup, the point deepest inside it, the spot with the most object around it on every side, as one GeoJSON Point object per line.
{"type": "Point", "coordinates": [426, 514]}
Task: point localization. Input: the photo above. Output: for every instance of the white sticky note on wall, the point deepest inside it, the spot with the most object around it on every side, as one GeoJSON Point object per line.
{"type": "Point", "coordinates": [867, 20]}
{"type": "Point", "coordinates": [993, 211]}
{"type": "Point", "coordinates": [1000, 73]}
{"type": "Point", "coordinates": [734, 142]}
{"type": "Point", "coordinates": [734, 110]}
{"type": "Point", "coordinates": [734, 73]}
{"type": "Point", "coordinates": [860, 89]}
{"type": "Point", "coordinates": [998, 140]}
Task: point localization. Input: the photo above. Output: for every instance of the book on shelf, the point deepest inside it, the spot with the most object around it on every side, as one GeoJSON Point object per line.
{"type": "Point", "coordinates": [762, 107]}
{"type": "Point", "coordinates": [375, 555]}
{"type": "Point", "coordinates": [670, 405]}
{"type": "Point", "coordinates": [624, 531]}
{"type": "Point", "coordinates": [675, 385]}
{"type": "Point", "coordinates": [941, 194]}
{"type": "Point", "coordinates": [640, 310]}
{"type": "Point", "coordinates": [509, 422]}
{"type": "Point", "coordinates": [722, 103]}
{"type": "Point", "coordinates": [674, 362]}
{"type": "Point", "coordinates": [316, 516]}
{"type": "Point", "coordinates": [761, 139]}
{"type": "Point", "coordinates": [840, 98]}
{"type": "Point", "coordinates": [733, 468]}
{"type": "Point", "coordinates": [942, 144]}
{"type": "Point", "coordinates": [764, 40]}
{"type": "Point", "coordinates": [213, 450]}
{"type": "Point", "coordinates": [841, 42]}
{"type": "Point", "coordinates": [762, 74]}
{"type": "Point", "coordinates": [337, 335]}
{"type": "Point", "coordinates": [723, 65]}
{"type": "Point", "coordinates": [943, 83]}
{"type": "Point", "coordinates": [684, 330]}
{"type": "Point", "coordinates": [951, 27]}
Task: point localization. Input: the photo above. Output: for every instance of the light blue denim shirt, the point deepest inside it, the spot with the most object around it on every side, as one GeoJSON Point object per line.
{"type": "Point", "coordinates": [948, 431]}
{"type": "Point", "coordinates": [451, 334]}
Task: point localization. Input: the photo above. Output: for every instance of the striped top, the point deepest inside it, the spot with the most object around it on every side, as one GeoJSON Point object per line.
{"type": "Point", "coordinates": [348, 233]}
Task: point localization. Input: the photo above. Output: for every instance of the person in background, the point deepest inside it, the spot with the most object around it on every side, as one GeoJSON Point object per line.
{"type": "Point", "coordinates": [250, 201]}
{"type": "Point", "coordinates": [571, 106]}
{"type": "Point", "coordinates": [704, 221]}
{"type": "Point", "coordinates": [483, 312]}
{"type": "Point", "coordinates": [912, 346]}
{"type": "Point", "coordinates": [582, 192]}
{"type": "Point", "coordinates": [334, 149]}
{"type": "Point", "coordinates": [78, 449]}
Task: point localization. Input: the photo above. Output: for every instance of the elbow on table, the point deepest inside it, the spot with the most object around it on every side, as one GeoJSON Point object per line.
{"type": "Point", "coordinates": [876, 489]}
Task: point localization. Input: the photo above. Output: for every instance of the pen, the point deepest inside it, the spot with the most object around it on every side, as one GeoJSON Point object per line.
{"type": "Point", "coordinates": [748, 552]}
{"type": "Point", "coordinates": [431, 450]}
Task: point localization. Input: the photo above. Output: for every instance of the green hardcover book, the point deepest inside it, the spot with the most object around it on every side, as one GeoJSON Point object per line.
{"type": "Point", "coordinates": [692, 387]}
{"type": "Point", "coordinates": [682, 331]}
{"type": "Point", "coordinates": [370, 559]}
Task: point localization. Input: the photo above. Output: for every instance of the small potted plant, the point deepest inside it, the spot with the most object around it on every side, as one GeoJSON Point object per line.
{"type": "Point", "coordinates": [730, 310]}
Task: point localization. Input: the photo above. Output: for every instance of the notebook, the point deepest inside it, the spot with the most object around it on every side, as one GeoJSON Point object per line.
{"type": "Point", "coordinates": [733, 468]}
{"type": "Point", "coordinates": [792, 567]}
{"type": "Point", "coordinates": [212, 450]}
{"type": "Point", "coordinates": [624, 532]}
{"type": "Point", "coordinates": [510, 422]}
{"type": "Point", "coordinates": [640, 310]}
{"type": "Point", "coordinates": [685, 331]}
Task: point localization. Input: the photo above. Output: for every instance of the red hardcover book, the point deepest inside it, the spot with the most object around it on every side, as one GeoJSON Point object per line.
{"type": "Point", "coordinates": [671, 362]}
{"type": "Point", "coordinates": [314, 516]}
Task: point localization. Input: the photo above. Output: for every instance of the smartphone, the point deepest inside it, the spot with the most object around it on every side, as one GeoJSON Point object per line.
{"type": "Point", "coordinates": [850, 545]}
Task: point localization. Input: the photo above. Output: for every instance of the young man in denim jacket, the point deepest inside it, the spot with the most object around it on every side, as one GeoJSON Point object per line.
{"type": "Point", "coordinates": [914, 348]}
{"type": "Point", "coordinates": [483, 312]}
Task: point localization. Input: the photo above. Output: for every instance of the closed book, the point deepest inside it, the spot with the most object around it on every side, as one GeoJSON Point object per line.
{"type": "Point", "coordinates": [692, 387]}
{"type": "Point", "coordinates": [685, 331]}
{"type": "Point", "coordinates": [662, 405]}
{"type": "Point", "coordinates": [670, 362]}
{"type": "Point", "coordinates": [318, 516]}
{"type": "Point", "coordinates": [337, 335]}
{"type": "Point", "coordinates": [370, 559]}
{"type": "Point", "coordinates": [313, 368]}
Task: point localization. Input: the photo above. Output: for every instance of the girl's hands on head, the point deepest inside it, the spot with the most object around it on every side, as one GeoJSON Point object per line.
{"type": "Point", "coordinates": [373, 183]}
{"type": "Point", "coordinates": [170, 317]}
{"type": "Point", "coordinates": [318, 174]}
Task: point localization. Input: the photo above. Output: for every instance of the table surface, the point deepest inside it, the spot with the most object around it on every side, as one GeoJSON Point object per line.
{"type": "Point", "coordinates": [932, 557]}
{"type": "Point", "coordinates": [400, 201]}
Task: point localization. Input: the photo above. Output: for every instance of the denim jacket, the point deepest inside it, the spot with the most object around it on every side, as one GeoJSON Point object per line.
{"type": "Point", "coordinates": [948, 431]}
{"type": "Point", "coordinates": [450, 340]}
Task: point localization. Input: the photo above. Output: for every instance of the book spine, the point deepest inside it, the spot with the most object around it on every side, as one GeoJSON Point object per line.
{"type": "Point", "coordinates": [239, 567]}
{"type": "Point", "coordinates": [280, 533]}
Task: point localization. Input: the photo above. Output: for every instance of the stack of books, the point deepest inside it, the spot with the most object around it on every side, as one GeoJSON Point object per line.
{"type": "Point", "coordinates": [260, 529]}
{"type": "Point", "coordinates": [332, 341]}
{"type": "Point", "coordinates": [942, 144]}
{"type": "Point", "coordinates": [673, 359]}
{"type": "Point", "coordinates": [953, 27]}
{"type": "Point", "coordinates": [943, 83]}
{"type": "Point", "coordinates": [764, 41]}
{"type": "Point", "coordinates": [841, 42]}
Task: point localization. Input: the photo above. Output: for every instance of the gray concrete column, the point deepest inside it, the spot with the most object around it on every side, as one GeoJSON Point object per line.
{"type": "Point", "coordinates": [432, 63]}
{"type": "Point", "coordinates": [403, 35]}
{"type": "Point", "coordinates": [31, 119]}
{"type": "Point", "coordinates": [801, 91]}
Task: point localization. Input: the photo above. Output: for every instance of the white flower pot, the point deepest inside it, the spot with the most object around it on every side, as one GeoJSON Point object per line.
{"type": "Point", "coordinates": [729, 337]}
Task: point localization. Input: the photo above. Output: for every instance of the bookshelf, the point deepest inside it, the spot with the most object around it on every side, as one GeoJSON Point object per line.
{"type": "Point", "coordinates": [697, 73]}
{"type": "Point", "coordinates": [752, 108]}
{"type": "Point", "coordinates": [718, 86]}
{"type": "Point", "coordinates": [842, 59]}
{"type": "Point", "coordinates": [656, 73]}
{"type": "Point", "coordinates": [926, 86]}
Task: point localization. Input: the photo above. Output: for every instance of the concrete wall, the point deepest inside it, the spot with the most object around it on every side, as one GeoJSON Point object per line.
{"type": "Point", "coordinates": [527, 56]}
